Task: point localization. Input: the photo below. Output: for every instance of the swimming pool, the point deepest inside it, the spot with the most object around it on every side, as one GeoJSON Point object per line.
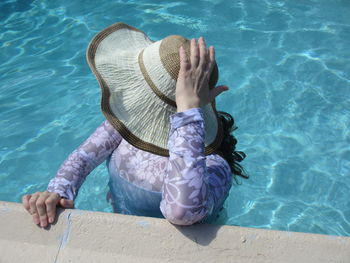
{"type": "Point", "coordinates": [286, 62]}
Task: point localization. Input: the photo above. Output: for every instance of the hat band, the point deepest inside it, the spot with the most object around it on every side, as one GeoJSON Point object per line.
{"type": "Point", "coordinates": [151, 83]}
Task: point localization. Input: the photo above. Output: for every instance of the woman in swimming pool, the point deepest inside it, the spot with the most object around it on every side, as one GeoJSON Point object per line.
{"type": "Point", "coordinates": [169, 152]}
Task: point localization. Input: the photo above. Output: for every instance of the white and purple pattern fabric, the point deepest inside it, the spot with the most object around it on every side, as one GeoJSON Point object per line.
{"type": "Point", "coordinates": [185, 187]}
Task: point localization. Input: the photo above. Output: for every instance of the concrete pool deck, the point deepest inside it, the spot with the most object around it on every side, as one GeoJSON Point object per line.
{"type": "Point", "coordinates": [83, 236]}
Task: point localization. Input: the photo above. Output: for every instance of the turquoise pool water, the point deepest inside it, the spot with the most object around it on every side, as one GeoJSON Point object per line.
{"type": "Point", "coordinates": [287, 63]}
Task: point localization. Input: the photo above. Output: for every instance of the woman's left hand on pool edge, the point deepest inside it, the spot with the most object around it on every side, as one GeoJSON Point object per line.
{"type": "Point", "coordinates": [42, 206]}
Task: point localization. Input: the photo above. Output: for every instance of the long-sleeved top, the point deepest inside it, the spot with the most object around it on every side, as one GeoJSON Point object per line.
{"type": "Point", "coordinates": [189, 184]}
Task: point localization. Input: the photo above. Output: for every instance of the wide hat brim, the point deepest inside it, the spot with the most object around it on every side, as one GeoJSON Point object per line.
{"type": "Point", "coordinates": [128, 98]}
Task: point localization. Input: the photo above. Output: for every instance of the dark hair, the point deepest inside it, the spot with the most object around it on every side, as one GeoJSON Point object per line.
{"type": "Point", "coordinates": [227, 148]}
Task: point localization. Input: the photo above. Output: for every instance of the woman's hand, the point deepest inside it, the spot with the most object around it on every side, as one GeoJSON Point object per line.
{"type": "Point", "coordinates": [192, 87]}
{"type": "Point", "coordinates": [42, 206]}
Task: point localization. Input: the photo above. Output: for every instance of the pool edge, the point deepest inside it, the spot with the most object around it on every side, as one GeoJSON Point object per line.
{"type": "Point", "coordinates": [84, 236]}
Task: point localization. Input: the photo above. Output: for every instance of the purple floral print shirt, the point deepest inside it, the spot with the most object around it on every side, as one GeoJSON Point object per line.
{"type": "Point", "coordinates": [191, 184]}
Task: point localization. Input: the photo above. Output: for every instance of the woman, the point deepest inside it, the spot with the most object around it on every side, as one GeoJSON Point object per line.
{"type": "Point", "coordinates": [148, 89]}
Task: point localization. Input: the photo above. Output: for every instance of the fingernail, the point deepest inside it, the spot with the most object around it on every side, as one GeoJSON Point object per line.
{"type": "Point", "coordinates": [50, 220]}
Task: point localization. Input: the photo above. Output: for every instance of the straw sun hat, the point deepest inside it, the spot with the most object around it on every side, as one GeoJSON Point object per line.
{"type": "Point", "coordinates": [138, 77]}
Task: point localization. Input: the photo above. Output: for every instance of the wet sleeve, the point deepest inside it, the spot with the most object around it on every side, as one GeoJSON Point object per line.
{"type": "Point", "coordinates": [83, 160]}
{"type": "Point", "coordinates": [194, 185]}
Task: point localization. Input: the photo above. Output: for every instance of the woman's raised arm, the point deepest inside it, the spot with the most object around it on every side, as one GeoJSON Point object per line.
{"type": "Point", "coordinates": [192, 190]}
{"type": "Point", "coordinates": [195, 186]}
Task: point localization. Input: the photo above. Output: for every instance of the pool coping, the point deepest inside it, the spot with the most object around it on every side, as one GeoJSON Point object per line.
{"type": "Point", "coordinates": [84, 236]}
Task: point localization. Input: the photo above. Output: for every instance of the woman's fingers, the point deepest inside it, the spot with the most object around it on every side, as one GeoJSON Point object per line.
{"type": "Point", "coordinates": [202, 53]}
{"type": "Point", "coordinates": [211, 62]}
{"type": "Point", "coordinates": [25, 201]}
{"type": "Point", "coordinates": [194, 53]}
{"type": "Point", "coordinates": [33, 210]}
{"type": "Point", "coordinates": [66, 203]}
{"type": "Point", "coordinates": [184, 63]}
{"type": "Point", "coordinates": [41, 208]}
{"type": "Point", "coordinates": [51, 203]}
{"type": "Point", "coordinates": [217, 91]}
